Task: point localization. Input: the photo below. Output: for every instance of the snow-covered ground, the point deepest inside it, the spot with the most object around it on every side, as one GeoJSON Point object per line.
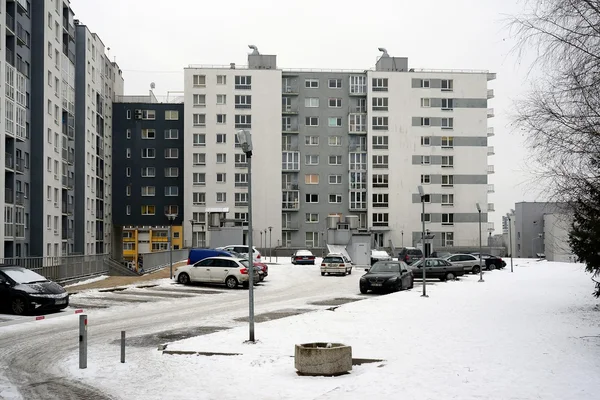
{"type": "Point", "coordinates": [91, 280]}
{"type": "Point", "coordinates": [532, 334]}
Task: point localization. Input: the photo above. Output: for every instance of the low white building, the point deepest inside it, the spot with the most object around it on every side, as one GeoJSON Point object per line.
{"type": "Point", "coordinates": [556, 238]}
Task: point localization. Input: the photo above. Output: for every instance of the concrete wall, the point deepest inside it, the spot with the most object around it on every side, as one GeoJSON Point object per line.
{"type": "Point", "coordinates": [226, 236]}
{"type": "Point", "coordinates": [529, 227]}
{"type": "Point", "coordinates": [556, 238]}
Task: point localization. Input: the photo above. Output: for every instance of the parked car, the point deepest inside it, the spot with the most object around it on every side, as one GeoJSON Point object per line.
{"type": "Point", "coordinates": [469, 262]}
{"type": "Point", "coordinates": [242, 249]}
{"type": "Point", "coordinates": [23, 291]}
{"type": "Point", "coordinates": [335, 263]}
{"type": "Point", "coordinates": [440, 254]}
{"type": "Point", "coordinates": [410, 254]}
{"type": "Point", "coordinates": [303, 257]}
{"type": "Point", "coordinates": [437, 268]}
{"type": "Point", "coordinates": [228, 270]}
{"type": "Point", "coordinates": [264, 268]}
{"type": "Point", "coordinates": [491, 262]}
{"type": "Point", "coordinates": [379, 255]}
{"type": "Point", "coordinates": [389, 276]}
{"type": "Point", "coordinates": [196, 255]}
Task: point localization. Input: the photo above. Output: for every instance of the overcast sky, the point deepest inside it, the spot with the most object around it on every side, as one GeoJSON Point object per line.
{"type": "Point", "coordinates": [152, 41]}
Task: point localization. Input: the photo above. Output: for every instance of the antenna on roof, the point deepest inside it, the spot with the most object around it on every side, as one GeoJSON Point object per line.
{"type": "Point", "coordinates": [385, 53]}
{"type": "Point", "coordinates": [255, 50]}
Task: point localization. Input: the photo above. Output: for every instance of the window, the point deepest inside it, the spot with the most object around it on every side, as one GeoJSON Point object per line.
{"type": "Point", "coordinates": [243, 101]}
{"type": "Point", "coordinates": [148, 172]}
{"type": "Point", "coordinates": [380, 219]}
{"type": "Point", "coordinates": [335, 179]}
{"type": "Point", "coordinates": [199, 80]}
{"type": "Point", "coordinates": [148, 191]}
{"type": "Point", "coordinates": [447, 85]}
{"type": "Point", "coordinates": [380, 123]}
{"type": "Point", "coordinates": [171, 153]}
{"type": "Point", "coordinates": [171, 115]}
{"type": "Point", "coordinates": [380, 84]}
{"type": "Point", "coordinates": [171, 172]}
{"type": "Point", "coordinates": [380, 200]}
{"type": "Point", "coordinates": [128, 133]}
{"type": "Point", "coordinates": [221, 79]}
{"type": "Point", "coordinates": [334, 122]}
{"type": "Point", "coordinates": [311, 83]}
{"type": "Point", "coordinates": [425, 179]}
{"type": "Point", "coordinates": [241, 180]}
{"type": "Point", "coordinates": [148, 134]}
{"type": "Point", "coordinates": [128, 114]}
{"type": "Point", "coordinates": [221, 138]}
{"type": "Point", "coordinates": [240, 160]}
{"type": "Point", "coordinates": [148, 210]}
{"type": "Point", "coordinates": [199, 159]}
{"type": "Point", "coordinates": [447, 141]}
{"type": "Point", "coordinates": [335, 160]}
{"type": "Point", "coordinates": [447, 123]}
{"type": "Point", "coordinates": [311, 179]}
{"type": "Point", "coordinates": [447, 199]}
{"type": "Point", "coordinates": [221, 197]}
{"type": "Point", "coordinates": [335, 83]}
{"type": "Point", "coordinates": [426, 217]}
{"type": "Point", "coordinates": [447, 219]}
{"type": "Point", "coordinates": [221, 118]}
{"type": "Point", "coordinates": [243, 121]}
{"type": "Point", "coordinates": [171, 134]}
{"type": "Point", "coordinates": [425, 83]}
{"type": "Point", "coordinates": [148, 153]}
{"type": "Point", "coordinates": [425, 140]}
{"type": "Point", "coordinates": [312, 140]}
{"type": "Point", "coordinates": [199, 119]}
{"type": "Point", "coordinates": [425, 102]}
{"type": "Point", "coordinates": [335, 198]}
{"type": "Point", "coordinates": [311, 198]}
{"type": "Point", "coordinates": [199, 178]}
{"type": "Point", "coordinates": [447, 161]}
{"type": "Point", "coordinates": [243, 82]}
{"type": "Point", "coordinates": [311, 160]}
{"type": "Point", "coordinates": [380, 180]}
{"type": "Point", "coordinates": [425, 121]}
{"type": "Point", "coordinates": [447, 239]}
{"type": "Point", "coordinates": [425, 160]}
{"type": "Point", "coordinates": [199, 100]}
{"type": "Point", "coordinates": [380, 103]}
{"type": "Point", "coordinates": [221, 177]}
{"type": "Point", "coordinates": [380, 142]}
{"type": "Point", "coordinates": [380, 161]}
{"type": "Point", "coordinates": [447, 104]}
{"type": "Point", "coordinates": [447, 180]}
{"type": "Point", "coordinates": [357, 123]}
{"type": "Point", "coordinates": [335, 140]}
{"type": "Point", "coordinates": [221, 99]}
{"type": "Point", "coordinates": [241, 199]}
{"type": "Point", "coordinates": [222, 157]}
{"type": "Point", "coordinates": [128, 171]}
{"type": "Point", "coordinates": [335, 103]}
{"type": "Point", "coordinates": [149, 114]}
{"type": "Point", "coordinates": [312, 239]}
{"type": "Point", "coordinates": [311, 102]}
{"type": "Point", "coordinates": [311, 218]}
{"type": "Point", "coordinates": [199, 139]}
{"type": "Point", "coordinates": [290, 161]}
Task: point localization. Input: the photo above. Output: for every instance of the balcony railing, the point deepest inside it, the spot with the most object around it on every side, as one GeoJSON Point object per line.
{"type": "Point", "coordinates": [288, 109]}
{"type": "Point", "coordinates": [290, 90]}
{"type": "Point", "coordinates": [20, 198]}
{"type": "Point", "coordinates": [10, 57]}
{"type": "Point", "coordinates": [490, 169]}
{"type": "Point", "coordinates": [64, 155]}
{"type": "Point", "coordinates": [491, 189]}
{"type": "Point", "coordinates": [20, 231]}
{"type": "Point", "coordinates": [289, 186]}
{"type": "Point", "coordinates": [9, 161]}
{"type": "Point", "coordinates": [490, 113]}
{"type": "Point", "coordinates": [9, 230]}
{"type": "Point", "coordinates": [241, 203]}
{"type": "Point", "coordinates": [490, 94]}
{"type": "Point", "coordinates": [289, 128]}
{"type": "Point", "coordinates": [9, 196]}
{"type": "Point", "coordinates": [491, 151]}
{"type": "Point", "coordinates": [290, 226]}
{"type": "Point", "coordinates": [67, 208]}
{"type": "Point", "coordinates": [21, 36]}
{"type": "Point", "coordinates": [490, 131]}
{"type": "Point", "coordinates": [10, 23]}
{"type": "Point", "coordinates": [241, 165]}
{"type": "Point", "coordinates": [20, 165]}
{"type": "Point", "coordinates": [241, 184]}
{"type": "Point", "coordinates": [67, 234]}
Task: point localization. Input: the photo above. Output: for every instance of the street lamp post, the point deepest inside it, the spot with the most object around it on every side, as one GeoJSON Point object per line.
{"type": "Point", "coordinates": [422, 194]}
{"type": "Point", "coordinates": [261, 242]}
{"type": "Point", "coordinates": [192, 222]}
{"type": "Point", "coordinates": [270, 247]}
{"type": "Point", "coordinates": [402, 232]}
{"type": "Point", "coordinates": [480, 258]}
{"type": "Point", "coordinates": [510, 241]}
{"type": "Point", "coordinates": [171, 218]}
{"type": "Point", "coordinates": [245, 139]}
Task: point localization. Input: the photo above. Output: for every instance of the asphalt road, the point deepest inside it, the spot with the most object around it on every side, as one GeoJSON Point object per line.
{"type": "Point", "coordinates": [31, 354]}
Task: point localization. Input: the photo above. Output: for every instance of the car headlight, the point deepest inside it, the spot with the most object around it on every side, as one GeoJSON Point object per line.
{"type": "Point", "coordinates": [49, 296]}
{"type": "Point", "coordinates": [363, 279]}
{"type": "Point", "coordinates": [395, 278]}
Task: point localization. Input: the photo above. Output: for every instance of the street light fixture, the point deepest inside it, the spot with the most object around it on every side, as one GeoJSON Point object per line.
{"type": "Point", "coordinates": [245, 140]}
{"type": "Point", "coordinates": [171, 218]}
{"type": "Point", "coordinates": [480, 258]}
{"type": "Point", "coordinates": [192, 222]}
{"type": "Point", "coordinates": [422, 194]}
{"type": "Point", "coordinates": [510, 240]}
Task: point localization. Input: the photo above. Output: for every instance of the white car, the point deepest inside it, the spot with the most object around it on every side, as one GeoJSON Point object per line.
{"type": "Point", "coordinates": [242, 249]}
{"type": "Point", "coordinates": [335, 263]}
{"type": "Point", "coordinates": [230, 271]}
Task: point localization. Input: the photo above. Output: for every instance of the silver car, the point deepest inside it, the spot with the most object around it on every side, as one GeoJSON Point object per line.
{"type": "Point", "coordinates": [469, 262]}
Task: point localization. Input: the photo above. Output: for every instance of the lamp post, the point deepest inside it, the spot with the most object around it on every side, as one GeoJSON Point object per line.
{"type": "Point", "coordinates": [192, 222]}
{"type": "Point", "coordinates": [480, 266]}
{"type": "Point", "coordinates": [270, 247]}
{"type": "Point", "coordinates": [261, 242]}
{"type": "Point", "coordinates": [245, 139]}
{"type": "Point", "coordinates": [510, 241]}
{"type": "Point", "coordinates": [422, 194]}
{"type": "Point", "coordinates": [171, 218]}
{"type": "Point", "coordinates": [402, 232]}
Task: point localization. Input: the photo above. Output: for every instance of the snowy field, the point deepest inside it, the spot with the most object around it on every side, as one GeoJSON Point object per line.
{"type": "Point", "coordinates": [532, 334]}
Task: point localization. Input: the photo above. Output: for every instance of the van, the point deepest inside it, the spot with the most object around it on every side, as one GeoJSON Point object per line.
{"type": "Point", "coordinates": [410, 254]}
{"type": "Point", "coordinates": [196, 255]}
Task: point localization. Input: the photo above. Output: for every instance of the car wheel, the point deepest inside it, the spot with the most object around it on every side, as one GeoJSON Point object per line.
{"type": "Point", "coordinates": [322, 273]}
{"type": "Point", "coordinates": [350, 271]}
{"type": "Point", "coordinates": [363, 290]}
{"type": "Point", "coordinates": [476, 270]}
{"type": "Point", "coordinates": [398, 287]}
{"type": "Point", "coordinates": [183, 278]}
{"type": "Point", "coordinates": [231, 282]}
{"type": "Point", "coordinates": [19, 305]}
{"type": "Point", "coordinates": [450, 276]}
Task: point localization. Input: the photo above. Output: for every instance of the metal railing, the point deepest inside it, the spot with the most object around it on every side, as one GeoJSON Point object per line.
{"type": "Point", "coordinates": [62, 268]}
{"type": "Point", "coordinates": [159, 259]}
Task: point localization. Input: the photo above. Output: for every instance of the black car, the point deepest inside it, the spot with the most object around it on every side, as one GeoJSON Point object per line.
{"type": "Point", "coordinates": [436, 268]}
{"type": "Point", "coordinates": [23, 291]}
{"type": "Point", "coordinates": [491, 262]}
{"type": "Point", "coordinates": [388, 276]}
{"type": "Point", "coordinates": [410, 254]}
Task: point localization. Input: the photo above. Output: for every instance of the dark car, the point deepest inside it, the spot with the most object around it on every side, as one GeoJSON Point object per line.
{"type": "Point", "coordinates": [303, 257]}
{"type": "Point", "coordinates": [23, 291]}
{"type": "Point", "coordinates": [491, 262]}
{"type": "Point", "coordinates": [410, 254]}
{"type": "Point", "coordinates": [390, 276]}
{"type": "Point", "coordinates": [436, 268]}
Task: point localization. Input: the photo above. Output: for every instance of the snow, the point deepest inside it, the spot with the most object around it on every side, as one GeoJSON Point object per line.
{"type": "Point", "coordinates": [85, 282]}
{"type": "Point", "coordinates": [523, 335]}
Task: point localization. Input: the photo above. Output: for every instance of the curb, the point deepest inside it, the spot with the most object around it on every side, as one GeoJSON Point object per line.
{"type": "Point", "coordinates": [37, 318]}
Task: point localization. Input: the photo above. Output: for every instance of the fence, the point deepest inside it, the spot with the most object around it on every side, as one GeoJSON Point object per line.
{"type": "Point", "coordinates": [62, 268]}
{"type": "Point", "coordinates": [158, 259]}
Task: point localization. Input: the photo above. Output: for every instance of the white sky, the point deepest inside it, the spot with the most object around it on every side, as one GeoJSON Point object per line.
{"type": "Point", "coordinates": [152, 41]}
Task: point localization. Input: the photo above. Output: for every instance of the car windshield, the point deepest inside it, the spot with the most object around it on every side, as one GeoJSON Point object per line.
{"type": "Point", "coordinates": [385, 267]}
{"type": "Point", "coordinates": [22, 275]}
{"type": "Point", "coordinates": [333, 260]}
{"type": "Point", "coordinates": [244, 263]}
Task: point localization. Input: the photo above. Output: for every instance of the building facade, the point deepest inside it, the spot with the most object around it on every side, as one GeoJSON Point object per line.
{"type": "Point", "coordinates": [148, 173]}
{"type": "Point", "coordinates": [352, 142]}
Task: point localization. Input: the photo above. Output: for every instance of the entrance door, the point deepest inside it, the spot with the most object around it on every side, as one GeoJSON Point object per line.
{"type": "Point", "coordinates": [378, 240]}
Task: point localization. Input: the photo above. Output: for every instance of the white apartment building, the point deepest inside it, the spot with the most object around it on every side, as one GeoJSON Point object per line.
{"type": "Point", "coordinates": [219, 101]}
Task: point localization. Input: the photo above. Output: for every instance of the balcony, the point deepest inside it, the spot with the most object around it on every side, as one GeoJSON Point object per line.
{"type": "Point", "coordinates": [241, 165]}
{"type": "Point", "coordinates": [67, 234]}
{"type": "Point", "coordinates": [9, 196]}
{"type": "Point", "coordinates": [490, 227]}
{"type": "Point", "coordinates": [490, 131]}
{"type": "Point", "coordinates": [20, 231]}
{"type": "Point", "coordinates": [64, 155]}
{"type": "Point", "coordinates": [10, 25]}
{"type": "Point", "coordinates": [491, 76]}
{"type": "Point", "coordinates": [290, 226]}
{"type": "Point", "coordinates": [289, 128]}
{"type": "Point", "coordinates": [490, 94]}
{"type": "Point", "coordinates": [490, 113]}
{"type": "Point", "coordinates": [67, 182]}
{"type": "Point", "coordinates": [491, 189]}
{"type": "Point", "coordinates": [490, 169]}
{"type": "Point", "coordinates": [358, 207]}
{"type": "Point", "coordinates": [9, 231]}
{"type": "Point", "coordinates": [71, 158]}
{"type": "Point", "coordinates": [20, 166]}
{"type": "Point", "coordinates": [490, 151]}
{"type": "Point", "coordinates": [290, 200]}
{"type": "Point", "coordinates": [289, 110]}
{"type": "Point", "coordinates": [289, 186]}
{"type": "Point", "coordinates": [20, 199]}
{"type": "Point", "coordinates": [22, 6]}
{"type": "Point", "coordinates": [21, 36]}
{"type": "Point", "coordinates": [241, 204]}
{"type": "Point", "coordinates": [241, 184]}
{"type": "Point", "coordinates": [490, 207]}
{"type": "Point", "coordinates": [67, 208]}
{"type": "Point", "coordinates": [99, 213]}
{"type": "Point", "coordinates": [9, 161]}
{"type": "Point", "coordinates": [10, 57]}
{"type": "Point", "coordinates": [160, 238]}
{"type": "Point", "coordinates": [290, 90]}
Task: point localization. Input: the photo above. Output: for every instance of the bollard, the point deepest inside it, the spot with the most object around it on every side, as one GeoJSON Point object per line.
{"type": "Point", "coordinates": [82, 341]}
{"type": "Point", "coordinates": [122, 347]}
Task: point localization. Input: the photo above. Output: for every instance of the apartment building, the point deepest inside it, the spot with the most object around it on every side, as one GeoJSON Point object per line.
{"type": "Point", "coordinates": [353, 143]}
{"type": "Point", "coordinates": [98, 81]}
{"type": "Point", "coordinates": [148, 173]}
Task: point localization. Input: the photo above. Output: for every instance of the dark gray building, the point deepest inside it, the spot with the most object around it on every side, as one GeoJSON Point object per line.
{"type": "Point", "coordinates": [147, 177]}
